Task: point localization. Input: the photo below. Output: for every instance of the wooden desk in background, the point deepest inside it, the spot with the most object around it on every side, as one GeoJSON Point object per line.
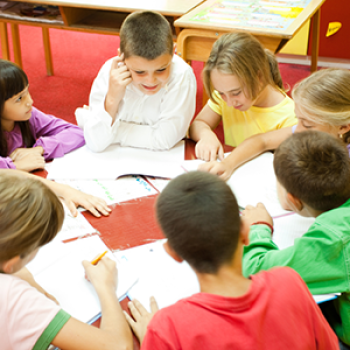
{"type": "Point", "coordinates": [198, 35]}
{"type": "Point", "coordinates": [92, 16]}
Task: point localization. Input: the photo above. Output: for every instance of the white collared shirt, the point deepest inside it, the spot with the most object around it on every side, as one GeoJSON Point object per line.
{"type": "Point", "coordinates": [155, 122]}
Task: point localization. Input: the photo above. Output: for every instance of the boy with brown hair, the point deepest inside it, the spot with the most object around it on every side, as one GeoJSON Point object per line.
{"type": "Point", "coordinates": [199, 215]}
{"type": "Point", "coordinates": [146, 96]}
{"type": "Point", "coordinates": [313, 174]}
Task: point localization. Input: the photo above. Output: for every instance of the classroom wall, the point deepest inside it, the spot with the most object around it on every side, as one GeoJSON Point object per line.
{"type": "Point", "coordinates": [335, 46]}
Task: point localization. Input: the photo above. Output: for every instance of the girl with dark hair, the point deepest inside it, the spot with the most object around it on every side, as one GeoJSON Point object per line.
{"type": "Point", "coordinates": [28, 137]}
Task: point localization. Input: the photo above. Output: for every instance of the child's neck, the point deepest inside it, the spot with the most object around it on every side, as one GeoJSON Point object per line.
{"type": "Point", "coordinates": [269, 97]}
{"type": "Point", "coordinates": [227, 282]}
{"type": "Point", "coordinates": [7, 125]}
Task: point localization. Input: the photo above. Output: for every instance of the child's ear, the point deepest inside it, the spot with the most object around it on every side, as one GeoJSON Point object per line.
{"type": "Point", "coordinates": [295, 203]}
{"type": "Point", "coordinates": [9, 266]}
{"type": "Point", "coordinates": [171, 252]}
{"type": "Point", "coordinates": [244, 233]}
{"type": "Point", "coordinates": [344, 129]}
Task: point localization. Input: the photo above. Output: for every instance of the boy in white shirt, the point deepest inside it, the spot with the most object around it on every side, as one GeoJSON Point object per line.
{"type": "Point", "coordinates": [146, 96]}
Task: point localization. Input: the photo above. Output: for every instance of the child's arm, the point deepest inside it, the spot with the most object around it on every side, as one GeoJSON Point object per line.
{"type": "Point", "coordinates": [72, 197]}
{"type": "Point", "coordinates": [208, 146]}
{"type": "Point", "coordinates": [119, 78]}
{"type": "Point", "coordinates": [308, 255]}
{"type": "Point", "coordinates": [56, 136]}
{"type": "Point", "coordinates": [247, 150]}
{"type": "Point", "coordinates": [114, 332]}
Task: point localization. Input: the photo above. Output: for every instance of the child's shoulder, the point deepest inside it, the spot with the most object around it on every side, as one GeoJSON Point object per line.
{"type": "Point", "coordinates": [181, 72]}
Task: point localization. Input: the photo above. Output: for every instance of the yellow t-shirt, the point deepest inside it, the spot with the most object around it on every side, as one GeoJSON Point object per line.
{"type": "Point", "coordinates": [238, 125]}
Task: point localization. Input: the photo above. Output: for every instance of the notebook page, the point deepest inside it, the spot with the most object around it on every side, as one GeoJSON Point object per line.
{"type": "Point", "coordinates": [160, 276]}
{"type": "Point", "coordinates": [65, 279]}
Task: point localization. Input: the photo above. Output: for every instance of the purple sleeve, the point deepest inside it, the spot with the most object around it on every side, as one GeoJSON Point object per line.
{"type": "Point", "coordinates": [6, 163]}
{"type": "Point", "coordinates": [56, 136]}
{"type": "Point", "coordinates": [293, 128]}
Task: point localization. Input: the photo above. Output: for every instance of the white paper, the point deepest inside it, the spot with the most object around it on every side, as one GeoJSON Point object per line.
{"type": "Point", "coordinates": [64, 277]}
{"type": "Point", "coordinates": [158, 183]}
{"type": "Point", "coordinates": [116, 161]}
{"type": "Point", "coordinates": [160, 275]}
{"type": "Point", "coordinates": [253, 182]}
{"type": "Point", "coordinates": [74, 227]}
{"type": "Point", "coordinates": [288, 228]}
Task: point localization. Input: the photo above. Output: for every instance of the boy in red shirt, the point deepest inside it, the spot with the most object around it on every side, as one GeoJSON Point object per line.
{"type": "Point", "coordinates": [199, 215]}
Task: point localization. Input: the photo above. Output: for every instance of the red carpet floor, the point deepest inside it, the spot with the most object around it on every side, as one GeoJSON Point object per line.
{"type": "Point", "coordinates": [77, 57]}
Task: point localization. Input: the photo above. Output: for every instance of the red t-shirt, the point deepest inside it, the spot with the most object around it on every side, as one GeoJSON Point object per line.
{"type": "Point", "coordinates": [278, 312]}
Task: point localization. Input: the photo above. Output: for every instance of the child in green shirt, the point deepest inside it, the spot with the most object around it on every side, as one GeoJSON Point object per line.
{"type": "Point", "coordinates": [313, 173]}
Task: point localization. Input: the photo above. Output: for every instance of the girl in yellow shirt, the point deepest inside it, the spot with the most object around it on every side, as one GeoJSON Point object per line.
{"type": "Point", "coordinates": [246, 91]}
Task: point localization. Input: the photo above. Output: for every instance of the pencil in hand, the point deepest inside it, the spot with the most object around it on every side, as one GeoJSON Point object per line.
{"type": "Point", "coordinates": [95, 261]}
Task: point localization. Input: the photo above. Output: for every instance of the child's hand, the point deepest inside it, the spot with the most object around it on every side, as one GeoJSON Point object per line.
{"type": "Point", "coordinates": [74, 198]}
{"type": "Point", "coordinates": [142, 317]}
{"type": "Point", "coordinates": [253, 214]}
{"type": "Point", "coordinates": [20, 153]}
{"type": "Point", "coordinates": [103, 276]}
{"type": "Point", "coordinates": [29, 162]}
{"type": "Point", "coordinates": [119, 78]}
{"type": "Point", "coordinates": [208, 148]}
{"type": "Point", "coordinates": [221, 169]}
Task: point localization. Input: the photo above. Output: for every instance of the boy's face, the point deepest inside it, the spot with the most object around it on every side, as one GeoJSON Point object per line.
{"type": "Point", "coordinates": [149, 76]}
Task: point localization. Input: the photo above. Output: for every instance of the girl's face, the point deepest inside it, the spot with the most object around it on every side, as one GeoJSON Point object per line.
{"type": "Point", "coordinates": [18, 107]}
{"type": "Point", "coordinates": [304, 123]}
{"type": "Point", "coordinates": [230, 90]}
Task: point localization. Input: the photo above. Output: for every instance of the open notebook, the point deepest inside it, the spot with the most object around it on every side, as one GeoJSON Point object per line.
{"type": "Point", "coordinates": [58, 269]}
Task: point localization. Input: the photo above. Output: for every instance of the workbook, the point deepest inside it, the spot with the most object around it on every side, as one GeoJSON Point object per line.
{"type": "Point", "coordinates": [58, 269]}
{"type": "Point", "coordinates": [116, 161]}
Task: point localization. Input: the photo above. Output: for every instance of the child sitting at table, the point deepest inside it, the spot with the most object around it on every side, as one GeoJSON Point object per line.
{"type": "Point", "coordinates": [146, 96]}
{"type": "Point", "coordinates": [28, 137]}
{"type": "Point", "coordinates": [313, 172]}
{"type": "Point", "coordinates": [246, 92]}
{"type": "Point", "coordinates": [322, 102]}
{"type": "Point", "coordinates": [30, 216]}
{"type": "Point", "coordinates": [199, 215]}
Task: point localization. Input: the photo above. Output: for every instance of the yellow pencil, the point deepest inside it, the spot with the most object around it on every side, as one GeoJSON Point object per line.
{"type": "Point", "coordinates": [95, 261]}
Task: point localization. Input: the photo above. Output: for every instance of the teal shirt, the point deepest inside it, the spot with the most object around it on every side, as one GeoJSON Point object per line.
{"type": "Point", "coordinates": [321, 257]}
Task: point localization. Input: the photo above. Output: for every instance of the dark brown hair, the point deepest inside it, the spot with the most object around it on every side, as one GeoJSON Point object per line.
{"type": "Point", "coordinates": [199, 215]}
{"type": "Point", "coordinates": [12, 81]}
{"type": "Point", "coordinates": [30, 215]}
{"type": "Point", "coordinates": [242, 55]}
{"type": "Point", "coordinates": [146, 34]}
{"type": "Point", "coordinates": [314, 167]}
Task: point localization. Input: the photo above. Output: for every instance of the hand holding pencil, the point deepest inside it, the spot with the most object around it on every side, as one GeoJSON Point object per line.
{"type": "Point", "coordinates": [101, 272]}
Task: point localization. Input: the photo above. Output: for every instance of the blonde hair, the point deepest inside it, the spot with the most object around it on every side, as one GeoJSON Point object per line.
{"type": "Point", "coordinates": [30, 215]}
{"type": "Point", "coordinates": [325, 97]}
{"type": "Point", "coordinates": [242, 55]}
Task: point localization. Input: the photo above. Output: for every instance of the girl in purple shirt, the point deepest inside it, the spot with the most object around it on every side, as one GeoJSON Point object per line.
{"type": "Point", "coordinates": [28, 137]}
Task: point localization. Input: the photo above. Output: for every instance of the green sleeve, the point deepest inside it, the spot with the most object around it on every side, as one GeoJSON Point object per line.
{"type": "Point", "coordinates": [52, 330]}
{"type": "Point", "coordinates": [317, 256]}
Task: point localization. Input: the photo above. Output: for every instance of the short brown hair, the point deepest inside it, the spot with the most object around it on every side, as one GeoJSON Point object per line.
{"type": "Point", "coordinates": [242, 55]}
{"type": "Point", "coordinates": [146, 34]}
{"type": "Point", "coordinates": [314, 167]}
{"type": "Point", "coordinates": [30, 215]}
{"type": "Point", "coordinates": [199, 215]}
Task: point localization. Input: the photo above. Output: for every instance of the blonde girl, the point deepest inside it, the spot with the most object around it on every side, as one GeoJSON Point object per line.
{"type": "Point", "coordinates": [246, 92]}
{"type": "Point", "coordinates": [322, 102]}
{"type": "Point", "coordinates": [30, 216]}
